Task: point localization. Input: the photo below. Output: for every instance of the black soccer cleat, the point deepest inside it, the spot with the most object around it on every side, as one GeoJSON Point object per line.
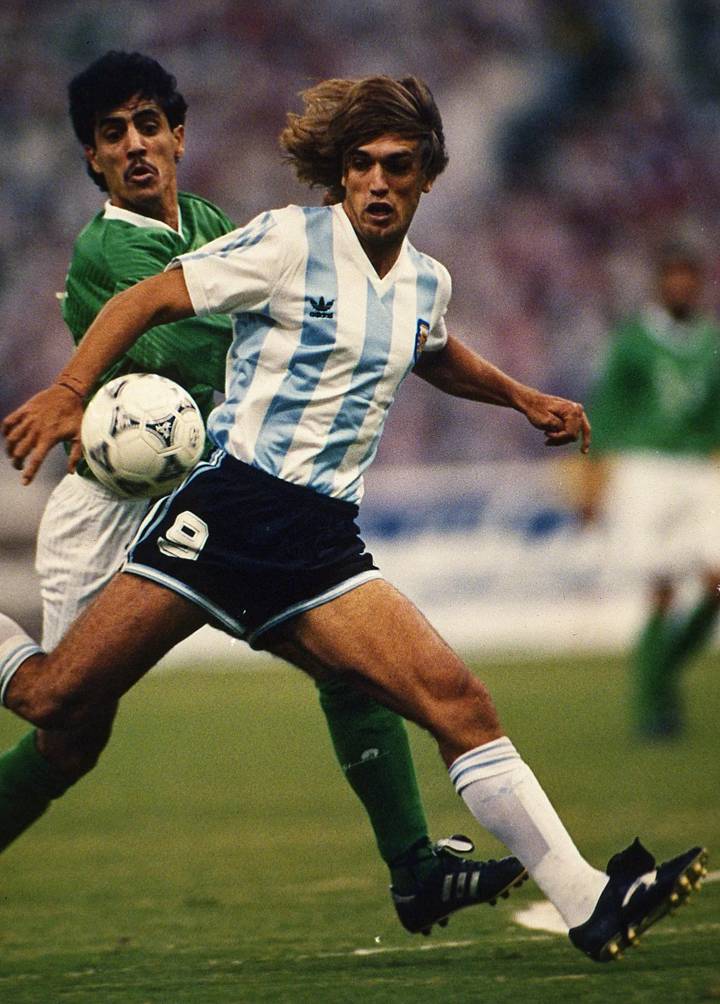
{"type": "Point", "coordinates": [637, 895]}
{"type": "Point", "coordinates": [456, 882]}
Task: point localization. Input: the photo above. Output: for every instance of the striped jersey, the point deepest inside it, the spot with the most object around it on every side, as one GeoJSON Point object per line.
{"type": "Point", "coordinates": [320, 341]}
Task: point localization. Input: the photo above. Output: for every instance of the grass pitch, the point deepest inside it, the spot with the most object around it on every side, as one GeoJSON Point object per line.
{"type": "Point", "coordinates": [216, 854]}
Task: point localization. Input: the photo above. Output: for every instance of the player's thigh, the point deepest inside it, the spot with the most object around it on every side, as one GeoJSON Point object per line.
{"type": "Point", "coordinates": [376, 638]}
{"type": "Point", "coordinates": [122, 634]}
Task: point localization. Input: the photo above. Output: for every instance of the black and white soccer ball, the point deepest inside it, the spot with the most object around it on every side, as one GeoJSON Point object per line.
{"type": "Point", "coordinates": [141, 434]}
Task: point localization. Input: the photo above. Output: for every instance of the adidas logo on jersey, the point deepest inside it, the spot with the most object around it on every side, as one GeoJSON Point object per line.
{"type": "Point", "coordinates": [321, 307]}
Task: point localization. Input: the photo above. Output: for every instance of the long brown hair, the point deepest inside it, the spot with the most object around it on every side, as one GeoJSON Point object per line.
{"type": "Point", "coordinates": [340, 115]}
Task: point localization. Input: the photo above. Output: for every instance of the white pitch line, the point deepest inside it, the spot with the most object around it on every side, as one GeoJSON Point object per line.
{"type": "Point", "coordinates": [380, 950]}
{"type": "Point", "coordinates": [542, 915]}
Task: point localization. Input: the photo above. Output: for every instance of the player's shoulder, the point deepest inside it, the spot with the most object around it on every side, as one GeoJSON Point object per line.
{"type": "Point", "coordinates": [190, 203]}
{"type": "Point", "coordinates": [285, 226]}
{"type": "Point", "coordinates": [92, 232]}
{"type": "Point", "coordinates": [425, 262]}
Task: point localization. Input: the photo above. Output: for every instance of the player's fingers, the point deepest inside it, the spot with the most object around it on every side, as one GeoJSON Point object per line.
{"type": "Point", "coordinates": [74, 456]}
{"type": "Point", "coordinates": [560, 438]}
{"type": "Point", "coordinates": [33, 462]}
{"type": "Point", "coordinates": [585, 433]}
{"type": "Point", "coordinates": [20, 443]}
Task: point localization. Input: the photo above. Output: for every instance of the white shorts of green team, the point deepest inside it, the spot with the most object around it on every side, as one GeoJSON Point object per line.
{"type": "Point", "coordinates": [83, 535]}
{"type": "Point", "coordinates": [662, 514]}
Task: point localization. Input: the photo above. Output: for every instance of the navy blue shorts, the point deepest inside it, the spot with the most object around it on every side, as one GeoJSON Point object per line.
{"type": "Point", "coordinates": [251, 549]}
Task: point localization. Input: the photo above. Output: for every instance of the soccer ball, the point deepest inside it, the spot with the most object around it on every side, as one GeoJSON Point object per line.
{"type": "Point", "coordinates": [141, 434]}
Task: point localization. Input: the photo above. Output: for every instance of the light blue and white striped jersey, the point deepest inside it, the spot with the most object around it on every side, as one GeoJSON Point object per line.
{"type": "Point", "coordinates": [320, 341]}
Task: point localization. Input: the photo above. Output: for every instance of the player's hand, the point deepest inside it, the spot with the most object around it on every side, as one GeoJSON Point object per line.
{"type": "Point", "coordinates": [561, 420]}
{"type": "Point", "coordinates": [52, 416]}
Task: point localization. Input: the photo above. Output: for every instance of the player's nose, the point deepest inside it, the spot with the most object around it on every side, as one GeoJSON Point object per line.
{"type": "Point", "coordinates": [135, 139]}
{"type": "Point", "coordinates": [377, 179]}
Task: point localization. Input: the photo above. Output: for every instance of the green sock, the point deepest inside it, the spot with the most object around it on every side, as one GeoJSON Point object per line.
{"type": "Point", "coordinates": [28, 783]}
{"type": "Point", "coordinates": [372, 748]}
{"type": "Point", "coordinates": [656, 697]}
{"type": "Point", "coordinates": [690, 634]}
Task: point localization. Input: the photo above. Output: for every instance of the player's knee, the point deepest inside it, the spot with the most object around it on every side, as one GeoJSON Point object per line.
{"type": "Point", "coordinates": [74, 763]}
{"type": "Point", "coordinates": [35, 694]}
{"type": "Point", "coordinates": [465, 710]}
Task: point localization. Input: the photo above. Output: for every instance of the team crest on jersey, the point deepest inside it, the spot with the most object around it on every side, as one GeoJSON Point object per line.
{"type": "Point", "coordinates": [421, 337]}
{"type": "Point", "coordinates": [321, 307]}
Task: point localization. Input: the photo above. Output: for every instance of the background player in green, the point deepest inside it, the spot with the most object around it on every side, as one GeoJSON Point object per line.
{"type": "Point", "coordinates": [129, 117]}
{"type": "Point", "coordinates": [656, 426]}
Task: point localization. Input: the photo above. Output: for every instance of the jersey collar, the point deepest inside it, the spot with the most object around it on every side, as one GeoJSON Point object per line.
{"type": "Point", "coordinates": [359, 256]}
{"type": "Point", "coordinates": [138, 220]}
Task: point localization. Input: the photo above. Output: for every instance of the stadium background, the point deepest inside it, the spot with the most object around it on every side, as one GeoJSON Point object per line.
{"type": "Point", "coordinates": [582, 135]}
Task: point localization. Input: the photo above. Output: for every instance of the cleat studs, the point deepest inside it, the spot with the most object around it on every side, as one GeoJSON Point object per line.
{"type": "Point", "coordinates": [505, 894]}
{"type": "Point", "coordinates": [674, 898]}
{"type": "Point", "coordinates": [631, 935]}
{"type": "Point", "coordinates": [443, 922]}
{"type": "Point", "coordinates": [426, 931]}
{"type": "Point", "coordinates": [492, 902]}
{"type": "Point", "coordinates": [614, 951]}
{"type": "Point", "coordinates": [698, 868]}
{"type": "Point", "coordinates": [684, 882]}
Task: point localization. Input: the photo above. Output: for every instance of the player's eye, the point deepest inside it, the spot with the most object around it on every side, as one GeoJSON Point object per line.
{"type": "Point", "coordinates": [359, 162]}
{"type": "Point", "coordinates": [398, 165]}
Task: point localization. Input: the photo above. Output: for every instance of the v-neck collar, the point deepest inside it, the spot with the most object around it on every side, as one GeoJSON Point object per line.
{"type": "Point", "coordinates": [357, 253]}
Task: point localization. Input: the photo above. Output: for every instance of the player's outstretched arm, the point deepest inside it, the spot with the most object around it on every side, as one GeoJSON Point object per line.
{"type": "Point", "coordinates": [459, 371]}
{"type": "Point", "coordinates": [55, 414]}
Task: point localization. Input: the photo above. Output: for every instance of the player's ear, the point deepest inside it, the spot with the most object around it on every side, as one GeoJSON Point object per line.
{"type": "Point", "coordinates": [179, 140]}
{"type": "Point", "coordinates": [90, 158]}
{"type": "Point", "coordinates": [427, 184]}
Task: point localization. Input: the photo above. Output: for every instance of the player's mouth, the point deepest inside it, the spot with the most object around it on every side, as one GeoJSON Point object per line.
{"type": "Point", "coordinates": [379, 212]}
{"type": "Point", "coordinates": [140, 173]}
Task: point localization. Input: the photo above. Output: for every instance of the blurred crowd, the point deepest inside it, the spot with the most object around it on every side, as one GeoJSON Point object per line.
{"type": "Point", "coordinates": [583, 136]}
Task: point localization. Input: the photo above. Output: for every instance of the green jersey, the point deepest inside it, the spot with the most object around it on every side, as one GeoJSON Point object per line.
{"type": "Point", "coordinates": [660, 389]}
{"type": "Point", "coordinates": [119, 248]}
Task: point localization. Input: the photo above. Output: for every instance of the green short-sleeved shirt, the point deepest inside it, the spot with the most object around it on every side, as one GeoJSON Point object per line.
{"type": "Point", "coordinates": [119, 248]}
{"type": "Point", "coordinates": [660, 388]}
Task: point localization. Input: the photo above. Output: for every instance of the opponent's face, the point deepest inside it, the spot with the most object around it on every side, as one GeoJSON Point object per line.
{"type": "Point", "coordinates": [383, 183]}
{"type": "Point", "coordinates": [136, 151]}
{"type": "Point", "coordinates": [680, 289]}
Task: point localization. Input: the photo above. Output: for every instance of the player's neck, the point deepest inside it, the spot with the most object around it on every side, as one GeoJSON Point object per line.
{"type": "Point", "coordinates": [381, 257]}
{"type": "Point", "coordinates": [162, 208]}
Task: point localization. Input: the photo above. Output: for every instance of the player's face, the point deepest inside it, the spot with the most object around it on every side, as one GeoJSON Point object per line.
{"type": "Point", "coordinates": [383, 183]}
{"type": "Point", "coordinates": [136, 151]}
{"type": "Point", "coordinates": [680, 290]}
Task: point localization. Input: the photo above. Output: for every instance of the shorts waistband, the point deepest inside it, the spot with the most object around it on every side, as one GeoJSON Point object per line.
{"type": "Point", "coordinates": [251, 473]}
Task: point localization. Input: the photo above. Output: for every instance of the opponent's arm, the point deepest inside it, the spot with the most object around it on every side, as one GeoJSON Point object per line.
{"type": "Point", "coordinates": [459, 371]}
{"type": "Point", "coordinates": [55, 414]}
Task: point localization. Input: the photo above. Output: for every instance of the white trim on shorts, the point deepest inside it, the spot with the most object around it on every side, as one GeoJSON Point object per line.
{"type": "Point", "coordinates": [234, 626]}
{"type": "Point", "coordinates": [316, 601]}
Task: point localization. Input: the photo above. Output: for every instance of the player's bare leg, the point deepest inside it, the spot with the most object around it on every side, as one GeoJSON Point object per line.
{"type": "Point", "coordinates": [74, 752]}
{"type": "Point", "coordinates": [102, 655]}
{"type": "Point", "coordinates": [457, 882]}
{"type": "Point", "coordinates": [376, 638]}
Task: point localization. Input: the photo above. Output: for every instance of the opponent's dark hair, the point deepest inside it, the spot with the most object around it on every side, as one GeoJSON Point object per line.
{"type": "Point", "coordinates": [110, 81]}
{"type": "Point", "coordinates": [340, 115]}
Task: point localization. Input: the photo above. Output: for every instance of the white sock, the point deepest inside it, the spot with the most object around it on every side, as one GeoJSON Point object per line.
{"type": "Point", "coordinates": [15, 647]}
{"type": "Point", "coordinates": [504, 796]}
